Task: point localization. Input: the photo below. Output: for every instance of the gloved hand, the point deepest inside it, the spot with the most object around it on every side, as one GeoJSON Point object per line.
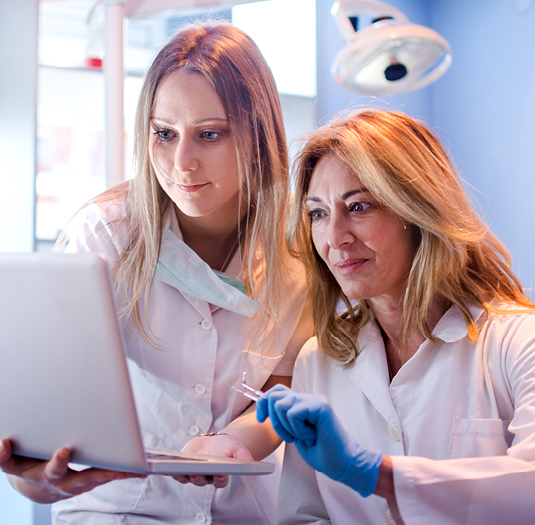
{"type": "Point", "coordinates": [310, 422]}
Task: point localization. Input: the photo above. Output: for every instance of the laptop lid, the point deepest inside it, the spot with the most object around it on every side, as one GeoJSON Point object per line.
{"type": "Point", "coordinates": [64, 378]}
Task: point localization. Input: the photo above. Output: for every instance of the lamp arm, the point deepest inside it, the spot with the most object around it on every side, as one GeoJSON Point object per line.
{"type": "Point", "coordinates": [343, 9]}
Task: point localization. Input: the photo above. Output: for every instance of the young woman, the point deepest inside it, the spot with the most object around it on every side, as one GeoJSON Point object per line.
{"type": "Point", "coordinates": [205, 285]}
{"type": "Point", "coordinates": [416, 404]}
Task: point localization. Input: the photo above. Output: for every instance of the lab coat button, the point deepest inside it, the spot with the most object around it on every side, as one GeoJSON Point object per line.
{"type": "Point", "coordinates": [389, 518]}
{"type": "Point", "coordinates": [200, 518]}
{"type": "Point", "coordinates": [200, 389]}
{"type": "Point", "coordinates": [393, 434]}
{"type": "Point", "coordinates": [194, 430]}
{"type": "Point", "coordinates": [206, 325]}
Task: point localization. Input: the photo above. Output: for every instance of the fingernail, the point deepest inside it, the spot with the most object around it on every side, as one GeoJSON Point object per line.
{"type": "Point", "coordinates": [2, 448]}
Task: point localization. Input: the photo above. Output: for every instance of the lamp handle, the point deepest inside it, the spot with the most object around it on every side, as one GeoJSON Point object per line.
{"type": "Point", "coordinates": [343, 9]}
{"type": "Point", "coordinates": [435, 75]}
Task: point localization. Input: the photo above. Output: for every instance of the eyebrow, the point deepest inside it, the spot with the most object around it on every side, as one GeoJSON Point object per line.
{"type": "Point", "coordinates": [345, 196]}
{"type": "Point", "coordinates": [195, 122]}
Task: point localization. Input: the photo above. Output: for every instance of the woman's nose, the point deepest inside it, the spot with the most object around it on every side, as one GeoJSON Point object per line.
{"type": "Point", "coordinates": [186, 158]}
{"type": "Point", "coordinates": [339, 232]}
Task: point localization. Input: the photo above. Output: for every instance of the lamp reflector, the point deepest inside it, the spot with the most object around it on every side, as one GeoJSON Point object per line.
{"type": "Point", "coordinates": [390, 56]}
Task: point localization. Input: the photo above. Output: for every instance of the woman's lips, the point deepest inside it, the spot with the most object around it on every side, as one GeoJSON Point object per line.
{"type": "Point", "coordinates": [186, 188]}
{"type": "Point", "coordinates": [349, 265]}
{"type": "Point", "coordinates": [191, 188]}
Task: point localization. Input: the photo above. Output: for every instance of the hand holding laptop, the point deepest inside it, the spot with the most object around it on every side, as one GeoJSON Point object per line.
{"type": "Point", "coordinates": [53, 480]}
{"type": "Point", "coordinates": [217, 444]}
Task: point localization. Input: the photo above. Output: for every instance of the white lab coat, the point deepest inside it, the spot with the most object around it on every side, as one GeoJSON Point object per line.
{"type": "Point", "coordinates": [183, 390]}
{"type": "Point", "coordinates": [458, 420]}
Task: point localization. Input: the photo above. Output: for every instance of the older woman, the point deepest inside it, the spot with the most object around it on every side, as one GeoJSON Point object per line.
{"type": "Point", "coordinates": [420, 391]}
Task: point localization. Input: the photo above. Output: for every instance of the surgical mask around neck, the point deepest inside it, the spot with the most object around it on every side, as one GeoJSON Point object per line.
{"type": "Point", "coordinates": [179, 266]}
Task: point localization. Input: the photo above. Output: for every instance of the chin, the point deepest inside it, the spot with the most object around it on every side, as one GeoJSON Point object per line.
{"type": "Point", "coordinates": [190, 211]}
{"type": "Point", "coordinates": [355, 293]}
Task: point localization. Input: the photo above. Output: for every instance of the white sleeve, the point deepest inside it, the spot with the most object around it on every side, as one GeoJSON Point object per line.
{"type": "Point", "coordinates": [95, 229]}
{"type": "Point", "coordinates": [302, 331]}
{"type": "Point", "coordinates": [299, 501]}
{"type": "Point", "coordinates": [490, 490]}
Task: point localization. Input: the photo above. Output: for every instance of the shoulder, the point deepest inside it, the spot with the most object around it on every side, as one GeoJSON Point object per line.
{"type": "Point", "coordinates": [508, 338]}
{"type": "Point", "coordinates": [100, 226]}
{"type": "Point", "coordinates": [310, 361]}
{"type": "Point", "coordinates": [318, 374]}
{"type": "Point", "coordinates": [510, 322]}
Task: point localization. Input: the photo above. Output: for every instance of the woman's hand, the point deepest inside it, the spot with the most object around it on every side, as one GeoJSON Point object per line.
{"type": "Point", "coordinates": [243, 438]}
{"type": "Point", "coordinates": [53, 480]}
{"type": "Point", "coordinates": [309, 421]}
{"type": "Point", "coordinates": [222, 445]}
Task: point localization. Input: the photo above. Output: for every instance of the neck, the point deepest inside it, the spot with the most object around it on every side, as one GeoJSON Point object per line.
{"type": "Point", "coordinates": [389, 320]}
{"type": "Point", "coordinates": [216, 243]}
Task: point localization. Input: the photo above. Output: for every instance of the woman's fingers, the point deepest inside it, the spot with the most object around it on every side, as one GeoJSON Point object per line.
{"type": "Point", "coordinates": [279, 404]}
{"type": "Point", "coordinates": [262, 404]}
{"type": "Point", "coordinates": [53, 480]}
{"type": "Point", "coordinates": [5, 454]}
{"type": "Point", "coordinates": [182, 479]}
{"type": "Point", "coordinates": [58, 465]}
{"type": "Point", "coordinates": [293, 416]}
{"type": "Point", "coordinates": [74, 483]}
{"type": "Point", "coordinates": [218, 482]}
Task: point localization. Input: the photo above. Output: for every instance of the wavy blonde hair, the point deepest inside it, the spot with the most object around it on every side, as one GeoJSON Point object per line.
{"type": "Point", "coordinates": [407, 169]}
{"type": "Point", "coordinates": [232, 63]}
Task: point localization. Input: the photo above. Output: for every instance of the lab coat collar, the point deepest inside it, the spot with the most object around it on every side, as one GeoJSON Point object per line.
{"type": "Point", "coordinates": [452, 327]}
{"type": "Point", "coordinates": [370, 373]}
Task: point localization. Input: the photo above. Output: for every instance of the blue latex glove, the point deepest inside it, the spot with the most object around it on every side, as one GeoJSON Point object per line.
{"type": "Point", "coordinates": [309, 421]}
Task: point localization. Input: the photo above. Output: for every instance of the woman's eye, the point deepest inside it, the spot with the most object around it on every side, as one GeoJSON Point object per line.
{"type": "Point", "coordinates": [211, 136]}
{"type": "Point", "coordinates": [359, 206]}
{"type": "Point", "coordinates": [164, 135]}
{"type": "Point", "coordinates": [316, 215]}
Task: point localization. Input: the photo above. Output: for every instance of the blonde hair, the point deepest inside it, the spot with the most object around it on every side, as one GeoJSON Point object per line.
{"type": "Point", "coordinates": [235, 67]}
{"type": "Point", "coordinates": [405, 166]}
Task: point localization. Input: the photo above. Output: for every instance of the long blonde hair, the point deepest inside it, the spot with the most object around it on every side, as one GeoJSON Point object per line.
{"type": "Point", "coordinates": [235, 67]}
{"type": "Point", "coordinates": [405, 166]}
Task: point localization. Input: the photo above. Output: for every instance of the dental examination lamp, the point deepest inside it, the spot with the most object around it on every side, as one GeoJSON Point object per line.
{"type": "Point", "coordinates": [388, 56]}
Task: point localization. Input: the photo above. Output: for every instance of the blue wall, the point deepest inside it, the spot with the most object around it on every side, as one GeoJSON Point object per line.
{"type": "Point", "coordinates": [483, 107]}
{"type": "Point", "coordinates": [486, 109]}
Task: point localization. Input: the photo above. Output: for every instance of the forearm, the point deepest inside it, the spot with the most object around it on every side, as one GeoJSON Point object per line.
{"type": "Point", "coordinates": [493, 489]}
{"type": "Point", "coordinates": [259, 438]}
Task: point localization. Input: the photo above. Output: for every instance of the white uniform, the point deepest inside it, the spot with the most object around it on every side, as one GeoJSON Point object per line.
{"type": "Point", "coordinates": [458, 420]}
{"type": "Point", "coordinates": [182, 390]}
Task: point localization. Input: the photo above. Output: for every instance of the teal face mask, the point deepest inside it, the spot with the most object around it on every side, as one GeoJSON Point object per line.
{"type": "Point", "coordinates": [179, 266]}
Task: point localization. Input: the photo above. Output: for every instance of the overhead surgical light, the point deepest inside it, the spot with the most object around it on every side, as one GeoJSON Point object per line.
{"type": "Point", "coordinates": [390, 55]}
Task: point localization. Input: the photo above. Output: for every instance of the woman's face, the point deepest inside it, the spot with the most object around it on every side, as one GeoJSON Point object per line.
{"type": "Point", "coordinates": [192, 149]}
{"type": "Point", "coordinates": [368, 248]}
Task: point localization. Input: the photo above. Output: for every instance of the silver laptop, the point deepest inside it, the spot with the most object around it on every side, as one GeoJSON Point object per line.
{"type": "Point", "coordinates": [63, 373]}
